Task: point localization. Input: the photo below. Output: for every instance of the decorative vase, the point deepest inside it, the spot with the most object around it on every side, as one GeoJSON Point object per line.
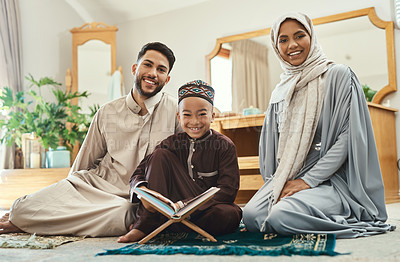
{"type": "Point", "coordinates": [60, 157]}
{"type": "Point", "coordinates": [31, 150]}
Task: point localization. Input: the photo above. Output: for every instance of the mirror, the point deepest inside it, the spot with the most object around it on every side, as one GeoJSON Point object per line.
{"type": "Point", "coordinates": [94, 70]}
{"type": "Point", "coordinates": [346, 38]}
{"type": "Point", "coordinates": [93, 62]}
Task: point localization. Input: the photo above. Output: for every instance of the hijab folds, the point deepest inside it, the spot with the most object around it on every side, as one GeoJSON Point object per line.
{"type": "Point", "coordinates": [300, 93]}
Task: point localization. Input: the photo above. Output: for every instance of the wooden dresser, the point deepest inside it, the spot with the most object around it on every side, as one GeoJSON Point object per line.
{"type": "Point", "coordinates": [383, 123]}
{"type": "Point", "coordinates": [244, 131]}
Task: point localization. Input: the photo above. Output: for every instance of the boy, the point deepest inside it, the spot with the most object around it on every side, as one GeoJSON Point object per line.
{"type": "Point", "coordinates": [187, 164]}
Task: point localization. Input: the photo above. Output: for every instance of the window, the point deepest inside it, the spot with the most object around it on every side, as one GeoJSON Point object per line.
{"type": "Point", "coordinates": [221, 79]}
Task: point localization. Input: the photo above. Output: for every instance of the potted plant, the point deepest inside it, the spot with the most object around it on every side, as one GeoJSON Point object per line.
{"type": "Point", "coordinates": [55, 123]}
{"type": "Point", "coordinates": [368, 92]}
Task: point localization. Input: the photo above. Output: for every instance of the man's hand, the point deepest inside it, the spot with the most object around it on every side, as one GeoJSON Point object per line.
{"type": "Point", "coordinates": [292, 187]}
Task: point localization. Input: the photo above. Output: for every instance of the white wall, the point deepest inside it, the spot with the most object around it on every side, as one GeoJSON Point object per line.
{"type": "Point", "coordinates": [46, 40]}
{"type": "Point", "coordinates": [191, 32]}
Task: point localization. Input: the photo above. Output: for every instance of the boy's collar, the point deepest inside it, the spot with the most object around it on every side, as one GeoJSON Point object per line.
{"type": "Point", "coordinates": [204, 137]}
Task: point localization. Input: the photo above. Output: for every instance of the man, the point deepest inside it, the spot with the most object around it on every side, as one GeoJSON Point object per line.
{"type": "Point", "coordinates": [94, 200]}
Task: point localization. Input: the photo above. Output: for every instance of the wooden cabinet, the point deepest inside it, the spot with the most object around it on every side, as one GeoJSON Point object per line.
{"type": "Point", "coordinates": [244, 131]}
{"type": "Point", "coordinates": [383, 123]}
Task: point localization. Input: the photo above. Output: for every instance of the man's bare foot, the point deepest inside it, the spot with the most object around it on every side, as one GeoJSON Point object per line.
{"type": "Point", "coordinates": [5, 217]}
{"type": "Point", "coordinates": [132, 236]}
{"type": "Point", "coordinates": [6, 226]}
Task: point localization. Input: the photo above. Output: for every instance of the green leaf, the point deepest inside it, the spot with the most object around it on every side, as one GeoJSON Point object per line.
{"type": "Point", "coordinates": [27, 111]}
{"type": "Point", "coordinates": [368, 93]}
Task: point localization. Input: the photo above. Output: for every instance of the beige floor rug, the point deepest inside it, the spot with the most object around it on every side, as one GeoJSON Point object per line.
{"type": "Point", "coordinates": [24, 240]}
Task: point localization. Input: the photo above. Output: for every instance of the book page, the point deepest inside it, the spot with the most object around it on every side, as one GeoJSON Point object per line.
{"type": "Point", "coordinates": [161, 197]}
{"type": "Point", "coordinates": [211, 189]}
{"type": "Point", "coordinates": [198, 200]}
{"type": "Point", "coordinates": [154, 201]}
{"type": "Point", "coordinates": [167, 207]}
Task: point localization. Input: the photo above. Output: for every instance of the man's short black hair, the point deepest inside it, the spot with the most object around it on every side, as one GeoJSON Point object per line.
{"type": "Point", "coordinates": [160, 47]}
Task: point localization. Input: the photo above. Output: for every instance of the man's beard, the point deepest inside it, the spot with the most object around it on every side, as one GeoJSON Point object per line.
{"type": "Point", "coordinates": [138, 84]}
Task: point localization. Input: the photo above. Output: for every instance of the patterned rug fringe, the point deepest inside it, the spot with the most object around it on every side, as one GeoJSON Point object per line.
{"type": "Point", "coordinates": [239, 243]}
{"type": "Point", "coordinates": [136, 249]}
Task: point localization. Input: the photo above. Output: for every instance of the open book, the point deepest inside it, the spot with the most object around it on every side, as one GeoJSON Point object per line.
{"type": "Point", "coordinates": [175, 214]}
{"type": "Point", "coordinates": [169, 208]}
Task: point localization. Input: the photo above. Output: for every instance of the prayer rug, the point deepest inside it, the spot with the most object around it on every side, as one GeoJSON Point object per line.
{"type": "Point", "coordinates": [24, 240]}
{"type": "Point", "coordinates": [238, 243]}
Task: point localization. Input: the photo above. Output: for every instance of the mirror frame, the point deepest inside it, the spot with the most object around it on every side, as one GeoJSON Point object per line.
{"type": "Point", "coordinates": [87, 32]}
{"type": "Point", "coordinates": [388, 26]}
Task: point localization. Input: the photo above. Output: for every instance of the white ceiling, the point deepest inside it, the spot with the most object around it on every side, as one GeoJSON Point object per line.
{"type": "Point", "coordinates": [118, 11]}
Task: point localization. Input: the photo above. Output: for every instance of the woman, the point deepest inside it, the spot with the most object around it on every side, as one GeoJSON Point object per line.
{"type": "Point", "coordinates": [318, 155]}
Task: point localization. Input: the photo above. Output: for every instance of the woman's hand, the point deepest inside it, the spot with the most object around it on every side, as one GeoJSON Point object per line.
{"type": "Point", "coordinates": [293, 186]}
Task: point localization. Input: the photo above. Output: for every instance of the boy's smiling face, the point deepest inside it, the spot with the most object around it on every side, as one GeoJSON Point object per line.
{"type": "Point", "coordinates": [195, 116]}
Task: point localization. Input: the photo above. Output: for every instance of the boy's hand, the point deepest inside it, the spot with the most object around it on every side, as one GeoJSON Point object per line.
{"type": "Point", "coordinates": [146, 204]}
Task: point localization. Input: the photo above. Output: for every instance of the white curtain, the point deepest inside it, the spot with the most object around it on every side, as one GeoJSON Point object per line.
{"type": "Point", "coordinates": [250, 76]}
{"type": "Point", "coordinates": [10, 62]}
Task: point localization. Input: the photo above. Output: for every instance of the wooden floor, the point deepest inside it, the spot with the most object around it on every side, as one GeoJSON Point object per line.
{"type": "Point", "coordinates": [15, 183]}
